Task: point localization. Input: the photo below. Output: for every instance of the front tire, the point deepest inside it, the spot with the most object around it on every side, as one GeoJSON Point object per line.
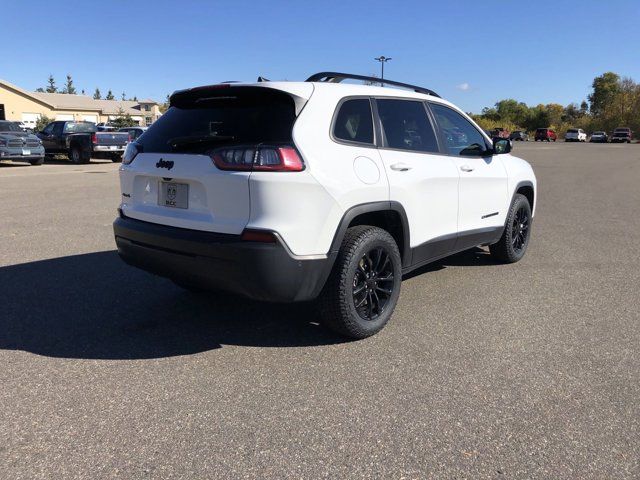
{"type": "Point", "coordinates": [515, 239]}
{"type": "Point", "coordinates": [37, 161]}
{"type": "Point", "coordinates": [363, 289]}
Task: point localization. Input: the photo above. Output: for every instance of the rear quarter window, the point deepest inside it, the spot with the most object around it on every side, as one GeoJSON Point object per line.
{"type": "Point", "coordinates": [353, 122]}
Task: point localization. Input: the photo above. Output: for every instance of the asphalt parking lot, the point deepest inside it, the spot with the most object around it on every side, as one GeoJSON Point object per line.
{"type": "Point", "coordinates": [529, 370]}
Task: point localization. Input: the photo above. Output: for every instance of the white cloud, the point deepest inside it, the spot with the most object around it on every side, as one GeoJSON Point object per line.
{"type": "Point", "coordinates": [463, 86]}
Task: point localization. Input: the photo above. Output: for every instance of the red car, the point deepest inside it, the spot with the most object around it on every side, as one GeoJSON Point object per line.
{"type": "Point", "coordinates": [547, 134]}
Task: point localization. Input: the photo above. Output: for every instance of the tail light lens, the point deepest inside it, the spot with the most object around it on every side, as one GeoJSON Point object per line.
{"type": "Point", "coordinates": [94, 138]}
{"type": "Point", "coordinates": [130, 152]}
{"type": "Point", "coordinates": [258, 158]}
{"type": "Point", "coordinates": [129, 139]}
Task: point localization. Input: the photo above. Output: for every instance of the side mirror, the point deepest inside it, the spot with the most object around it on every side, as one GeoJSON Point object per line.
{"type": "Point", "coordinates": [501, 145]}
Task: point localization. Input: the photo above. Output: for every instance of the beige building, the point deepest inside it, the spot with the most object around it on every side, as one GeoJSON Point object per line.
{"type": "Point", "coordinates": [21, 105]}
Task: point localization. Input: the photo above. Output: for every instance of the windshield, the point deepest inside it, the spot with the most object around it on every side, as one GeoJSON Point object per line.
{"type": "Point", "coordinates": [598, 133]}
{"type": "Point", "coordinates": [9, 127]}
{"type": "Point", "coordinates": [572, 130]}
{"type": "Point", "coordinates": [80, 127]}
{"type": "Point", "coordinates": [242, 116]}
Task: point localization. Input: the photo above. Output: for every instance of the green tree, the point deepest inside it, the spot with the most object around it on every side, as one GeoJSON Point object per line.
{"type": "Point", "coordinates": [97, 95]}
{"type": "Point", "coordinates": [51, 87]}
{"type": "Point", "coordinates": [40, 90]}
{"type": "Point", "coordinates": [605, 88]}
{"type": "Point", "coordinates": [124, 96]}
{"type": "Point", "coordinates": [123, 120]}
{"type": "Point", "coordinates": [69, 88]}
{"type": "Point", "coordinates": [42, 122]}
{"type": "Point", "coordinates": [110, 95]}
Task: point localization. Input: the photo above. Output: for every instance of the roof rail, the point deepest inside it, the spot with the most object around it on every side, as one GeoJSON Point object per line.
{"type": "Point", "coordinates": [337, 77]}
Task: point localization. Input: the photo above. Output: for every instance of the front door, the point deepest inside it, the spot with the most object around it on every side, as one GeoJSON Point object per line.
{"type": "Point", "coordinates": [422, 179]}
{"type": "Point", "coordinates": [483, 194]}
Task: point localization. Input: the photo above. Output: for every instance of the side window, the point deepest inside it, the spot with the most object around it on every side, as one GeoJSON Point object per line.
{"type": "Point", "coordinates": [48, 130]}
{"type": "Point", "coordinates": [406, 125]}
{"type": "Point", "coordinates": [353, 122]}
{"type": "Point", "coordinates": [57, 128]}
{"type": "Point", "coordinates": [460, 136]}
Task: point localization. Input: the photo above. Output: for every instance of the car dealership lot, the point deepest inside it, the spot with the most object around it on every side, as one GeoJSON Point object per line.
{"type": "Point", "coordinates": [485, 370]}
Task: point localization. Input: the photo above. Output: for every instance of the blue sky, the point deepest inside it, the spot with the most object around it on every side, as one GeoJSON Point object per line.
{"type": "Point", "coordinates": [471, 52]}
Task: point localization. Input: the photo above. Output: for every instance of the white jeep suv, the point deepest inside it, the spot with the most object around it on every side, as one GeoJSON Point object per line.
{"type": "Point", "coordinates": [317, 190]}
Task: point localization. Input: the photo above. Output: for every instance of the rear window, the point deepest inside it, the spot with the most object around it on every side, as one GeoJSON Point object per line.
{"type": "Point", "coordinates": [542, 130]}
{"type": "Point", "coordinates": [572, 130]}
{"type": "Point", "coordinates": [199, 121]}
{"type": "Point", "coordinates": [80, 127]}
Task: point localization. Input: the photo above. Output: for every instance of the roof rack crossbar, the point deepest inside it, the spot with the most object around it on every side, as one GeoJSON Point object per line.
{"type": "Point", "coordinates": [337, 77]}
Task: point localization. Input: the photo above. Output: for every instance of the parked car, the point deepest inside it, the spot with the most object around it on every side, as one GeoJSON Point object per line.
{"type": "Point", "coordinates": [621, 135]}
{"type": "Point", "coordinates": [519, 136]}
{"type": "Point", "coordinates": [599, 137]}
{"type": "Point", "coordinates": [499, 132]}
{"type": "Point", "coordinates": [15, 144]}
{"type": "Point", "coordinates": [134, 132]}
{"type": "Point", "coordinates": [545, 134]}
{"type": "Point", "coordinates": [81, 141]}
{"type": "Point", "coordinates": [575, 135]}
{"type": "Point", "coordinates": [284, 200]}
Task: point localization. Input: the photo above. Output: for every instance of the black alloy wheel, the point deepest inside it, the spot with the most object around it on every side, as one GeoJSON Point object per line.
{"type": "Point", "coordinates": [373, 284]}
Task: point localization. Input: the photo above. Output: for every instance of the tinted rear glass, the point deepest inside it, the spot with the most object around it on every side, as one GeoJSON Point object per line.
{"type": "Point", "coordinates": [572, 130]}
{"type": "Point", "coordinates": [353, 122]}
{"type": "Point", "coordinates": [406, 125]}
{"type": "Point", "coordinates": [243, 115]}
{"type": "Point", "coordinates": [541, 130]}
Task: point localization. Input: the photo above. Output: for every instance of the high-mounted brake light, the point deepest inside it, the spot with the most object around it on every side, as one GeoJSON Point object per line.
{"type": "Point", "coordinates": [258, 158]}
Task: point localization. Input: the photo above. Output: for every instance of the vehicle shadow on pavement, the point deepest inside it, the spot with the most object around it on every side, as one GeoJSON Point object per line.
{"type": "Point", "coordinates": [94, 306]}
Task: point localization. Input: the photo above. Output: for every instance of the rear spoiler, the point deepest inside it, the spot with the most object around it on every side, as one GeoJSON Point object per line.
{"type": "Point", "coordinates": [300, 93]}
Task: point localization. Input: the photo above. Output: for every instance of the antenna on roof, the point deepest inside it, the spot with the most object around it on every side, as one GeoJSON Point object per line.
{"type": "Point", "coordinates": [262, 79]}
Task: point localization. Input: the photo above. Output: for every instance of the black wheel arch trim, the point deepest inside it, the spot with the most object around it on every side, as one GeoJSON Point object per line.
{"type": "Point", "coordinates": [373, 207]}
{"type": "Point", "coordinates": [525, 183]}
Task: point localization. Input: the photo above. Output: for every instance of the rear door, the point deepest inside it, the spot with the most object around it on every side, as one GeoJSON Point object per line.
{"type": "Point", "coordinates": [421, 178]}
{"type": "Point", "coordinates": [174, 181]}
{"type": "Point", "coordinates": [483, 194]}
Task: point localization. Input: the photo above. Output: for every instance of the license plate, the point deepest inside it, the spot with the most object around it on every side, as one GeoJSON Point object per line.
{"type": "Point", "coordinates": [174, 195]}
{"type": "Point", "coordinates": [113, 147]}
{"type": "Point", "coordinates": [26, 152]}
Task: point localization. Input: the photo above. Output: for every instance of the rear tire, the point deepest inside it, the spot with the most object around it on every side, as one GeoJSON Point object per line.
{"type": "Point", "coordinates": [78, 156]}
{"type": "Point", "coordinates": [363, 289]}
{"type": "Point", "coordinates": [116, 158]}
{"type": "Point", "coordinates": [515, 239]}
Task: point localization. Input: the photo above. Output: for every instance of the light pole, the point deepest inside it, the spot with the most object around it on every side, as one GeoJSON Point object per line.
{"type": "Point", "coordinates": [382, 59]}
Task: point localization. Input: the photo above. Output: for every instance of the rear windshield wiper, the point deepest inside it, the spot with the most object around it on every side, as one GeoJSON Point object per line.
{"type": "Point", "coordinates": [198, 140]}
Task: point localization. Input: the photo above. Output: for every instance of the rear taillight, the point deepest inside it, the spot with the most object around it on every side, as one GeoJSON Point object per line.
{"type": "Point", "coordinates": [130, 152]}
{"type": "Point", "coordinates": [94, 138]}
{"type": "Point", "coordinates": [258, 158]}
{"type": "Point", "coordinates": [129, 139]}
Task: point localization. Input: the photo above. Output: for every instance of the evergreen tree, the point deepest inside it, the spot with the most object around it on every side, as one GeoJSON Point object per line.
{"type": "Point", "coordinates": [69, 88]}
{"type": "Point", "coordinates": [110, 95]}
{"type": "Point", "coordinates": [51, 88]}
{"type": "Point", "coordinates": [97, 95]}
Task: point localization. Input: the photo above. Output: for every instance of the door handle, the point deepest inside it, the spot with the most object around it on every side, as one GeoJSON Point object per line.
{"type": "Point", "coordinates": [400, 167]}
{"type": "Point", "coordinates": [466, 168]}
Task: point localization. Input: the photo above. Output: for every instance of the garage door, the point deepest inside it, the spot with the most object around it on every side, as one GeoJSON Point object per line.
{"type": "Point", "coordinates": [90, 118]}
{"type": "Point", "coordinates": [30, 119]}
{"type": "Point", "coordinates": [64, 117]}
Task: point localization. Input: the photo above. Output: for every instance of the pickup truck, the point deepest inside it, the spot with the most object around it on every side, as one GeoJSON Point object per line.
{"type": "Point", "coordinates": [81, 141]}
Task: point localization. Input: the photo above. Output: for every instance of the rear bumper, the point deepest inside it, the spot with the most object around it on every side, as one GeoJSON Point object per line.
{"type": "Point", "coordinates": [260, 271]}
